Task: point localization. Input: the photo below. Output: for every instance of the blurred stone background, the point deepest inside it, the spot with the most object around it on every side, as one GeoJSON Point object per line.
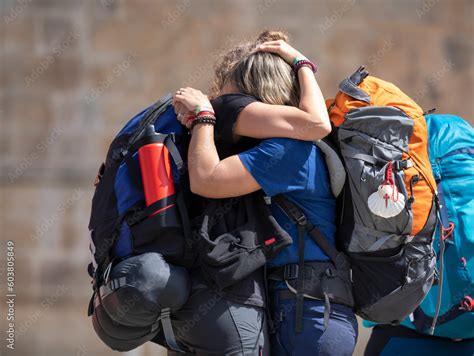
{"type": "Point", "coordinates": [73, 71]}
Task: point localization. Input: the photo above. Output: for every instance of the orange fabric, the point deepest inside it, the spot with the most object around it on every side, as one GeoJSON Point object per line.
{"type": "Point", "coordinates": [383, 93]}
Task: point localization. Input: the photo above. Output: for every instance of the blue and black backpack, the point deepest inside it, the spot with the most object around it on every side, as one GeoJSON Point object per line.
{"type": "Point", "coordinates": [451, 151]}
{"type": "Point", "coordinates": [139, 251]}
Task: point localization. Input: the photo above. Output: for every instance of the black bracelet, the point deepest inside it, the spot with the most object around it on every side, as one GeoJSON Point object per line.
{"type": "Point", "coordinates": [203, 120]}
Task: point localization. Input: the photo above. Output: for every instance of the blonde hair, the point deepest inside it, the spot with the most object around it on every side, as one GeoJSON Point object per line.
{"type": "Point", "coordinates": [266, 76]}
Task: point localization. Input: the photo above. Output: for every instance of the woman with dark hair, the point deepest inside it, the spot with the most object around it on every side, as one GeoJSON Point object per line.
{"type": "Point", "coordinates": [270, 91]}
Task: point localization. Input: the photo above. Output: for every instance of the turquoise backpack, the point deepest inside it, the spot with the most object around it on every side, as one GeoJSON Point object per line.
{"type": "Point", "coordinates": [451, 150]}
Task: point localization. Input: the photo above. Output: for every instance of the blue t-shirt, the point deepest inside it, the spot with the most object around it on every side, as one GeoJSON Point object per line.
{"type": "Point", "coordinates": [297, 169]}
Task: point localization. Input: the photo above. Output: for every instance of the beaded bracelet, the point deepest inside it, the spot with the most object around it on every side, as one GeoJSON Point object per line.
{"type": "Point", "coordinates": [297, 59]}
{"type": "Point", "coordinates": [193, 117]}
{"type": "Point", "coordinates": [299, 63]}
{"type": "Point", "coordinates": [205, 113]}
{"type": "Point", "coordinates": [203, 120]}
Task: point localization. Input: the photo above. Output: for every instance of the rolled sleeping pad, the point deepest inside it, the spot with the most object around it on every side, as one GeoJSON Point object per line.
{"type": "Point", "coordinates": [118, 337]}
{"type": "Point", "coordinates": [148, 285]}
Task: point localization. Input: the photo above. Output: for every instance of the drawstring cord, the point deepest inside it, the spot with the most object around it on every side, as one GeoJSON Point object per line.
{"type": "Point", "coordinates": [389, 181]}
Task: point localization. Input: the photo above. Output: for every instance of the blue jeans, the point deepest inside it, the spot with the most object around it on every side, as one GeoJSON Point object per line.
{"type": "Point", "coordinates": [339, 338]}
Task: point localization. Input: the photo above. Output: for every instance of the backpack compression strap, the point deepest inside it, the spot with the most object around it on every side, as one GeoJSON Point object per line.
{"type": "Point", "coordinates": [446, 230]}
{"type": "Point", "coordinates": [423, 322]}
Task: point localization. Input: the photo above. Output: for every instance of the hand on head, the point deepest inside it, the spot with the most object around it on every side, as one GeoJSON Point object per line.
{"type": "Point", "coordinates": [281, 48]}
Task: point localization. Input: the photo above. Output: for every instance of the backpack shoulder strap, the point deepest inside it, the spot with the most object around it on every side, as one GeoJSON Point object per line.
{"type": "Point", "coordinates": [298, 217]}
{"type": "Point", "coordinates": [337, 172]}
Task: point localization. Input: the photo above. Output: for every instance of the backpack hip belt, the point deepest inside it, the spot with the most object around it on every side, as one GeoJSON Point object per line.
{"type": "Point", "coordinates": [321, 279]}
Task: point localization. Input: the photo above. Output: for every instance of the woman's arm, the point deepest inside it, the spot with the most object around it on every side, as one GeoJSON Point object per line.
{"type": "Point", "coordinates": [208, 176]}
{"type": "Point", "coordinates": [309, 122]}
{"type": "Point", "coordinates": [261, 121]}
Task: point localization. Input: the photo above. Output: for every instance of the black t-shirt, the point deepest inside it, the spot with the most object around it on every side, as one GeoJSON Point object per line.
{"type": "Point", "coordinates": [251, 290]}
{"type": "Point", "coordinates": [227, 108]}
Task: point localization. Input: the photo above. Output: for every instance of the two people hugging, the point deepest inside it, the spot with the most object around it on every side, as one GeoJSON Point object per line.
{"type": "Point", "coordinates": [265, 105]}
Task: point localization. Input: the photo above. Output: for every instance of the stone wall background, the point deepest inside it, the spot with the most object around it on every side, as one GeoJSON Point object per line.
{"type": "Point", "coordinates": [73, 71]}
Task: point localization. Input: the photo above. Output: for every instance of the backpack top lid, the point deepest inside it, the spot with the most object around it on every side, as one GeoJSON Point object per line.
{"type": "Point", "coordinates": [448, 133]}
{"type": "Point", "coordinates": [166, 123]}
{"type": "Point", "coordinates": [378, 92]}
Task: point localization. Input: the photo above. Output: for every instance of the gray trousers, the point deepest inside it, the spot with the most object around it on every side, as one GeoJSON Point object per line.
{"type": "Point", "coordinates": [209, 324]}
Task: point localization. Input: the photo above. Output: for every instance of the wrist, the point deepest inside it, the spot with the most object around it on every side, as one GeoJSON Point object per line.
{"type": "Point", "coordinates": [298, 58]}
{"type": "Point", "coordinates": [207, 108]}
{"type": "Point", "coordinates": [204, 120]}
{"type": "Point", "coordinates": [301, 62]}
{"type": "Point", "coordinates": [200, 113]}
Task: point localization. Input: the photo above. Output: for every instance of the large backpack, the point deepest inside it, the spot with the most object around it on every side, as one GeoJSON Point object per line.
{"type": "Point", "coordinates": [451, 151]}
{"type": "Point", "coordinates": [389, 203]}
{"type": "Point", "coordinates": [123, 228]}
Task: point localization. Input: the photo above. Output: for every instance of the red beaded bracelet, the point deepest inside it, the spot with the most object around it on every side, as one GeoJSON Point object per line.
{"type": "Point", "coordinates": [205, 113]}
{"type": "Point", "coordinates": [304, 63]}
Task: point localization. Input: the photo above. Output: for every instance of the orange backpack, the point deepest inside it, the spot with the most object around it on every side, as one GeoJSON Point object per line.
{"type": "Point", "coordinates": [382, 93]}
{"type": "Point", "coordinates": [389, 205]}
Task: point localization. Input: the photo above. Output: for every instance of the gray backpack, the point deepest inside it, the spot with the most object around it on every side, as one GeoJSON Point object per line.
{"type": "Point", "coordinates": [380, 134]}
{"type": "Point", "coordinates": [377, 156]}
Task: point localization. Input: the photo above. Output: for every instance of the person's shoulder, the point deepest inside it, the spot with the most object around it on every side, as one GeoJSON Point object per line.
{"type": "Point", "coordinates": [233, 99]}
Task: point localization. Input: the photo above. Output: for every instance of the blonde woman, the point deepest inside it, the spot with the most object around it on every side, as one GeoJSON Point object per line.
{"type": "Point", "coordinates": [271, 92]}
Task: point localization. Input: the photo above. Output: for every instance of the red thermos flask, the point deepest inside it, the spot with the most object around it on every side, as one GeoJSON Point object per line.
{"type": "Point", "coordinates": [156, 172]}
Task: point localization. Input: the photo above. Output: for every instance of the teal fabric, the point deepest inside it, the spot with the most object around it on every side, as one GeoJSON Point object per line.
{"type": "Point", "coordinates": [398, 346]}
{"type": "Point", "coordinates": [447, 134]}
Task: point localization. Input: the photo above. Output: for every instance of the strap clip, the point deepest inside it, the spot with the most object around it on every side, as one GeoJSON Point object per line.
{"type": "Point", "coordinates": [402, 164]}
{"type": "Point", "coordinates": [329, 272]}
{"type": "Point", "coordinates": [290, 271]}
{"type": "Point", "coordinates": [467, 303]}
{"type": "Point", "coordinates": [301, 220]}
{"type": "Point", "coordinates": [119, 153]}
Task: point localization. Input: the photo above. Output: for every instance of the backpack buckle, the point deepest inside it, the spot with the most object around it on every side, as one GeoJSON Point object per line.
{"type": "Point", "coordinates": [119, 153]}
{"type": "Point", "coordinates": [290, 272]}
{"type": "Point", "coordinates": [301, 220]}
{"type": "Point", "coordinates": [402, 164]}
{"type": "Point", "coordinates": [330, 272]}
{"type": "Point", "coordinates": [467, 303]}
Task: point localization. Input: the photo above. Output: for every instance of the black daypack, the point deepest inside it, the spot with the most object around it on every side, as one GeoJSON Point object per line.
{"type": "Point", "coordinates": [132, 242]}
{"type": "Point", "coordinates": [237, 237]}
